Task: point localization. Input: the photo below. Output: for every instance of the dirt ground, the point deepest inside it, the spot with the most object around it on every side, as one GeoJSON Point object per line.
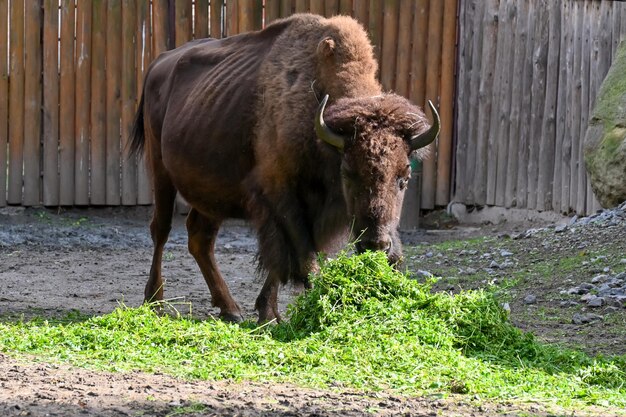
{"type": "Point", "coordinates": [92, 260]}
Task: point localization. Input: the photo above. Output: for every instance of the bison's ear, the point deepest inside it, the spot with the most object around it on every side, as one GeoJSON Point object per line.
{"type": "Point", "coordinates": [326, 47]}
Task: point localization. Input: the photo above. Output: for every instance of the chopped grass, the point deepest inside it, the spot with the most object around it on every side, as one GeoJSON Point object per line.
{"type": "Point", "coordinates": [363, 325]}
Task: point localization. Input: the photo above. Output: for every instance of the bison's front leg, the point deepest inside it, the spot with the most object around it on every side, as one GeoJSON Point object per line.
{"type": "Point", "coordinates": [286, 250]}
{"type": "Point", "coordinates": [267, 301]}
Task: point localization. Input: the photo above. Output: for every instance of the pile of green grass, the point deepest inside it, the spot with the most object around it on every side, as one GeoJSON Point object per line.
{"type": "Point", "coordinates": [363, 325]}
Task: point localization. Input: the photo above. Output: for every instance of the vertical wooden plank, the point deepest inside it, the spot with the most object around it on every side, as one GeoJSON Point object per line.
{"type": "Point", "coordinates": [590, 24]}
{"type": "Point", "coordinates": [476, 63]}
{"type": "Point", "coordinates": [602, 61]}
{"type": "Point", "coordinates": [129, 98]}
{"type": "Point", "coordinates": [406, 27]}
{"type": "Point", "coordinates": [505, 118]}
{"type": "Point", "coordinates": [548, 128]}
{"type": "Point", "coordinates": [201, 19]}
{"type": "Point", "coordinates": [361, 11]}
{"type": "Point", "coordinates": [403, 57]}
{"type": "Point", "coordinates": [287, 8]}
{"type": "Point", "coordinates": [389, 44]}
{"type": "Point", "coordinates": [417, 87]}
{"type": "Point", "coordinates": [161, 29]}
{"type": "Point", "coordinates": [579, 9]}
{"type": "Point", "coordinates": [183, 21]}
{"type": "Point", "coordinates": [622, 29]}
{"type": "Point", "coordinates": [232, 19]}
{"type": "Point", "coordinates": [32, 103]}
{"type": "Point", "coordinates": [466, 36]}
{"type": "Point", "coordinates": [4, 98]}
{"type": "Point", "coordinates": [569, 85]}
{"type": "Point", "coordinates": [561, 106]}
{"type": "Point", "coordinates": [346, 7]}
{"type": "Point", "coordinates": [526, 114]}
{"type": "Point", "coordinates": [245, 14]}
{"type": "Point", "coordinates": [143, 58]}
{"type": "Point", "coordinates": [216, 9]}
{"type": "Point", "coordinates": [301, 6]}
{"type": "Point", "coordinates": [83, 93]}
{"type": "Point", "coordinates": [446, 103]}
{"type": "Point", "coordinates": [496, 141]}
{"type": "Point", "coordinates": [615, 26]}
{"type": "Point", "coordinates": [113, 76]}
{"type": "Point", "coordinates": [433, 65]}
{"type": "Point", "coordinates": [16, 103]}
{"type": "Point", "coordinates": [272, 11]}
{"type": "Point", "coordinates": [376, 26]}
{"type": "Point", "coordinates": [538, 93]}
{"type": "Point", "coordinates": [50, 103]}
{"type": "Point", "coordinates": [98, 111]}
{"type": "Point", "coordinates": [517, 93]}
{"type": "Point", "coordinates": [67, 105]}
{"type": "Point", "coordinates": [317, 7]}
{"type": "Point", "coordinates": [602, 51]}
{"type": "Point", "coordinates": [258, 15]}
{"type": "Point", "coordinates": [490, 27]}
{"type": "Point", "coordinates": [620, 25]}
{"type": "Point", "coordinates": [331, 7]}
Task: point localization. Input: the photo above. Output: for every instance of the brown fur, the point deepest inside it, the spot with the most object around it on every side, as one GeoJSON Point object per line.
{"type": "Point", "coordinates": [229, 124]}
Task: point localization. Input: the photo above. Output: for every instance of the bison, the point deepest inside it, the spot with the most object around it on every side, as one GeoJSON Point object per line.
{"type": "Point", "coordinates": [287, 128]}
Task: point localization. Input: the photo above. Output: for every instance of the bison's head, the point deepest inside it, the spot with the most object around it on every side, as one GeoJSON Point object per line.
{"type": "Point", "coordinates": [377, 137]}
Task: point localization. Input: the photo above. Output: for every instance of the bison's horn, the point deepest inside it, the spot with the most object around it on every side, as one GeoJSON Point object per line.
{"type": "Point", "coordinates": [425, 138]}
{"type": "Point", "coordinates": [324, 132]}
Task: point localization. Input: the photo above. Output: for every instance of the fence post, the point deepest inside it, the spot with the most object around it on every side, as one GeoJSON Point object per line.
{"type": "Point", "coordinates": [16, 103]}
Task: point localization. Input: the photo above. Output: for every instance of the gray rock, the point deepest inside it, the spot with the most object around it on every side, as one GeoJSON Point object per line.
{"type": "Point", "coordinates": [604, 289]}
{"type": "Point", "coordinates": [505, 253]}
{"type": "Point", "coordinates": [599, 278]}
{"type": "Point", "coordinates": [617, 301]}
{"type": "Point", "coordinates": [494, 265]}
{"type": "Point", "coordinates": [585, 318]}
{"type": "Point", "coordinates": [560, 228]}
{"type": "Point", "coordinates": [424, 274]}
{"type": "Point", "coordinates": [583, 288]}
{"type": "Point", "coordinates": [530, 299]}
{"type": "Point", "coordinates": [596, 302]}
{"type": "Point", "coordinates": [588, 297]}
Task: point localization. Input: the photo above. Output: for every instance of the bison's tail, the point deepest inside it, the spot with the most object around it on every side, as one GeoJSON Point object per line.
{"type": "Point", "coordinates": [137, 136]}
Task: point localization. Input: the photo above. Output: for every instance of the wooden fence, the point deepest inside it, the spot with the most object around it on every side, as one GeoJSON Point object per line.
{"type": "Point", "coordinates": [71, 74]}
{"type": "Point", "coordinates": [528, 75]}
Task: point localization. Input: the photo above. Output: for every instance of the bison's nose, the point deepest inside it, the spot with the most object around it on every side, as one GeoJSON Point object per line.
{"type": "Point", "coordinates": [374, 245]}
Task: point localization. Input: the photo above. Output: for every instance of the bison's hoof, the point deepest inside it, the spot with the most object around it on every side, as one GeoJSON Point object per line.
{"type": "Point", "coordinates": [269, 318]}
{"type": "Point", "coordinates": [231, 317]}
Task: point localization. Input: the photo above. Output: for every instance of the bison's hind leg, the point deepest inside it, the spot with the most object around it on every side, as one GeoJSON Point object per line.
{"type": "Point", "coordinates": [164, 198]}
{"type": "Point", "coordinates": [202, 232]}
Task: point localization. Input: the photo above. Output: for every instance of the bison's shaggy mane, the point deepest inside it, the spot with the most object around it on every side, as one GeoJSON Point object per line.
{"type": "Point", "coordinates": [361, 117]}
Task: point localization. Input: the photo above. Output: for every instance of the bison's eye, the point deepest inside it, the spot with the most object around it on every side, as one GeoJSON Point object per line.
{"type": "Point", "coordinates": [403, 182]}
